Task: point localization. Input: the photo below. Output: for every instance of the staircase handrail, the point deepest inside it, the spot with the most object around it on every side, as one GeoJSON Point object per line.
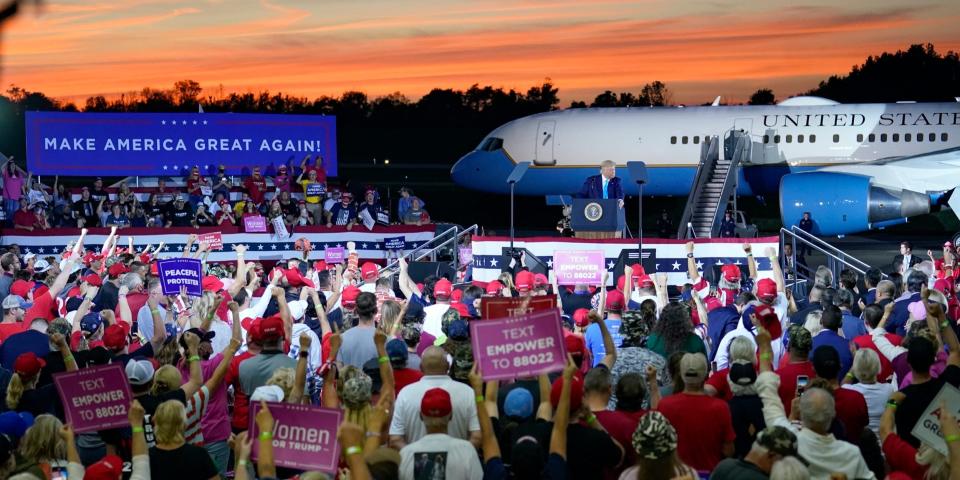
{"type": "Point", "coordinates": [704, 170]}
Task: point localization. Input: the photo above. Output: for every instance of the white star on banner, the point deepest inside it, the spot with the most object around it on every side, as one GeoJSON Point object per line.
{"type": "Point", "coordinates": [184, 122]}
{"type": "Point", "coordinates": [363, 246]}
{"type": "Point", "coordinates": [27, 249]}
{"type": "Point", "coordinates": [204, 122]}
{"type": "Point", "coordinates": [610, 265]}
{"type": "Point", "coordinates": [699, 265]}
{"type": "Point", "coordinates": [493, 262]}
{"type": "Point", "coordinates": [273, 246]}
{"type": "Point", "coordinates": [675, 265]}
{"type": "Point", "coordinates": [166, 248]}
{"type": "Point", "coordinates": [719, 262]}
{"type": "Point", "coordinates": [260, 246]}
{"type": "Point", "coordinates": [194, 122]}
{"type": "Point", "coordinates": [163, 122]}
{"type": "Point", "coordinates": [40, 250]}
{"type": "Point", "coordinates": [164, 167]}
{"type": "Point", "coordinates": [550, 263]}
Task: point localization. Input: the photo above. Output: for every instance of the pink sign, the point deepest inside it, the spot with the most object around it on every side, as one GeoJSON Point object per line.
{"type": "Point", "coordinates": [95, 398]}
{"type": "Point", "coordinates": [304, 436]}
{"type": "Point", "coordinates": [215, 240]}
{"type": "Point", "coordinates": [334, 254]}
{"type": "Point", "coordinates": [255, 224]}
{"type": "Point", "coordinates": [572, 267]}
{"type": "Point", "coordinates": [523, 346]}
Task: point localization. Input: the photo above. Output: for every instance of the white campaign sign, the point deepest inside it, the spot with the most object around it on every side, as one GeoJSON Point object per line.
{"type": "Point", "coordinates": [927, 429]}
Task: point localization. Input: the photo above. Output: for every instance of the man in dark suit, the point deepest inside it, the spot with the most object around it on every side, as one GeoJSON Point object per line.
{"type": "Point", "coordinates": [906, 258]}
{"type": "Point", "coordinates": [606, 185]}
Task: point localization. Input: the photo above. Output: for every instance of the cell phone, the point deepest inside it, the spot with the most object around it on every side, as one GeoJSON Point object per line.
{"type": "Point", "coordinates": [713, 366]}
{"type": "Point", "coordinates": [802, 381]}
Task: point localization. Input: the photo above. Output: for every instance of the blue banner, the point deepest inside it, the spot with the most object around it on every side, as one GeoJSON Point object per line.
{"type": "Point", "coordinates": [316, 189]}
{"type": "Point", "coordinates": [394, 243]}
{"type": "Point", "coordinates": [181, 272]}
{"type": "Point", "coordinates": [158, 144]}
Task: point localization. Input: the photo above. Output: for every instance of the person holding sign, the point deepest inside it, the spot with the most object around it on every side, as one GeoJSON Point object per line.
{"type": "Point", "coordinates": [196, 184]}
{"type": "Point", "coordinates": [343, 213]}
{"type": "Point", "coordinates": [313, 191]}
{"type": "Point", "coordinates": [22, 392]}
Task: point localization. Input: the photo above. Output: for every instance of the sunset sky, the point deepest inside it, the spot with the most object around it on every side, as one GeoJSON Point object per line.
{"type": "Point", "coordinates": [74, 49]}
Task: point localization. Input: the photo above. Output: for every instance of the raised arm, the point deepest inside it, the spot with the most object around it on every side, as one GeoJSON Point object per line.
{"type": "Point", "coordinates": [281, 296]}
{"type": "Point", "coordinates": [221, 371]}
{"type": "Point", "coordinates": [609, 348]}
{"type": "Point", "coordinates": [558, 437]}
{"type": "Point", "coordinates": [61, 281]}
{"type": "Point", "coordinates": [264, 419]}
{"type": "Point", "coordinates": [888, 419]}
{"type": "Point", "coordinates": [240, 278]}
{"type": "Point", "coordinates": [159, 332]}
{"type": "Point", "coordinates": [328, 396]}
{"type": "Point", "coordinates": [123, 305]}
{"type": "Point", "coordinates": [545, 409]}
{"type": "Point", "coordinates": [692, 264]}
{"type": "Point", "coordinates": [489, 444]}
{"type": "Point", "coordinates": [193, 360]}
{"type": "Point", "coordinates": [771, 255]}
{"type": "Point", "coordinates": [653, 387]}
{"type": "Point", "coordinates": [660, 284]}
{"type": "Point", "coordinates": [386, 368]}
{"type": "Point", "coordinates": [300, 375]}
{"type": "Point", "coordinates": [61, 343]}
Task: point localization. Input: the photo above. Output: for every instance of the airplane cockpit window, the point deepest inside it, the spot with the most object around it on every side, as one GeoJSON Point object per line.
{"type": "Point", "coordinates": [491, 144]}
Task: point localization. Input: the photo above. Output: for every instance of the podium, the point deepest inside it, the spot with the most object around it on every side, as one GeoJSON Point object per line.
{"type": "Point", "coordinates": [595, 218]}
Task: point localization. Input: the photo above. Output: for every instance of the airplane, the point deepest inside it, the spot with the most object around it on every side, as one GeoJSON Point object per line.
{"type": "Point", "coordinates": [854, 167]}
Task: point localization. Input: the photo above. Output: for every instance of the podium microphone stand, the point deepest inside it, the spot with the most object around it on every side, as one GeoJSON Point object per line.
{"type": "Point", "coordinates": [515, 176]}
{"type": "Point", "coordinates": [638, 172]}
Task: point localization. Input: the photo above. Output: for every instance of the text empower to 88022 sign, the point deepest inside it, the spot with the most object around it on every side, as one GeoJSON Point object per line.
{"type": "Point", "coordinates": [522, 346]}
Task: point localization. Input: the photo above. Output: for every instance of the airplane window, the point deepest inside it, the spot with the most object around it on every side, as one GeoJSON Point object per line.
{"type": "Point", "coordinates": [859, 138]}
{"type": "Point", "coordinates": [776, 139]}
{"type": "Point", "coordinates": [836, 138]}
{"type": "Point", "coordinates": [883, 137]}
{"type": "Point", "coordinates": [673, 140]}
{"type": "Point", "coordinates": [943, 137]}
{"type": "Point", "coordinates": [813, 138]}
{"type": "Point", "coordinates": [895, 137]}
{"type": "Point", "coordinates": [932, 137]}
{"type": "Point", "coordinates": [906, 137]}
{"type": "Point", "coordinates": [799, 138]}
{"type": "Point", "coordinates": [789, 138]}
{"type": "Point", "coordinates": [684, 140]}
{"type": "Point", "coordinates": [872, 138]}
{"type": "Point", "coordinates": [919, 137]}
{"type": "Point", "coordinates": [766, 139]}
{"type": "Point", "coordinates": [491, 144]}
{"type": "Point", "coordinates": [696, 139]}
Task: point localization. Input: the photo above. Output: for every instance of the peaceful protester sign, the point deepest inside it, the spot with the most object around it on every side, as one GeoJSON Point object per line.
{"type": "Point", "coordinates": [181, 272]}
{"type": "Point", "coordinates": [304, 436]}
{"type": "Point", "coordinates": [523, 346]}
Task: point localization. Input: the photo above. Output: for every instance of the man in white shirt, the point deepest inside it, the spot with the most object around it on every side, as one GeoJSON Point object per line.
{"type": "Point", "coordinates": [407, 425]}
{"type": "Point", "coordinates": [434, 313]}
{"type": "Point", "coordinates": [765, 315]}
{"type": "Point", "coordinates": [438, 455]}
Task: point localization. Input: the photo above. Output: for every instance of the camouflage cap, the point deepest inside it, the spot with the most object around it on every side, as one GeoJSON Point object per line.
{"type": "Point", "coordinates": [633, 326]}
{"type": "Point", "coordinates": [800, 338]}
{"type": "Point", "coordinates": [357, 388]}
{"type": "Point", "coordinates": [655, 437]}
{"type": "Point", "coordinates": [449, 317]}
{"type": "Point", "coordinates": [778, 440]}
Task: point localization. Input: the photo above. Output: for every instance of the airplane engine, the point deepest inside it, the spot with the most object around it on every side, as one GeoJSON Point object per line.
{"type": "Point", "coordinates": [842, 203]}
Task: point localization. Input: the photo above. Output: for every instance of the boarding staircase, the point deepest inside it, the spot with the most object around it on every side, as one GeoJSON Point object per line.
{"type": "Point", "coordinates": [798, 271]}
{"type": "Point", "coordinates": [714, 184]}
{"type": "Point", "coordinates": [443, 247]}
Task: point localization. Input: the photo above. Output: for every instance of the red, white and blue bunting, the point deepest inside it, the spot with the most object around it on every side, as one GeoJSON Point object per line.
{"type": "Point", "coordinates": [260, 246]}
{"type": "Point", "coordinates": [668, 256]}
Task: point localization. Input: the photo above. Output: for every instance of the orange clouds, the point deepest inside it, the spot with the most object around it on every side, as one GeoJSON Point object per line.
{"type": "Point", "coordinates": [75, 49]}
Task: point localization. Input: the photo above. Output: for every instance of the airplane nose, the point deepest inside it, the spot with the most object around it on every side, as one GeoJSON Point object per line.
{"type": "Point", "coordinates": [462, 170]}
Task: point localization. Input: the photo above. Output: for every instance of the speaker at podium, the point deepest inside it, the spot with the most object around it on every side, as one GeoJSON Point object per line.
{"type": "Point", "coordinates": [595, 218]}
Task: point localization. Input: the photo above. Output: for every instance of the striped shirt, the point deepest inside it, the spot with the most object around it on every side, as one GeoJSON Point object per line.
{"type": "Point", "coordinates": [196, 407]}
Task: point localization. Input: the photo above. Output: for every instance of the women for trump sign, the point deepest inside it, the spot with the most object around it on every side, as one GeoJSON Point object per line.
{"type": "Point", "coordinates": [304, 436]}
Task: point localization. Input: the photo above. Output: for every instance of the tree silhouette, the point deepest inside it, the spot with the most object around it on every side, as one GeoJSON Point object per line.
{"type": "Point", "coordinates": [763, 96]}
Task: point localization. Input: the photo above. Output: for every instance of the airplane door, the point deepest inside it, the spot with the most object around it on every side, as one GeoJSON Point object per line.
{"type": "Point", "coordinates": [743, 124]}
{"type": "Point", "coordinates": [545, 138]}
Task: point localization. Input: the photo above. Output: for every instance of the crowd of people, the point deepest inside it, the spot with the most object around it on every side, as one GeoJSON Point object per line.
{"type": "Point", "coordinates": [732, 378]}
{"type": "Point", "coordinates": [298, 196]}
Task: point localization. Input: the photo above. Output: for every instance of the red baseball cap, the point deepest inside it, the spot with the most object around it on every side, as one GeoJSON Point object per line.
{"type": "Point", "coordinates": [943, 286]}
{"type": "Point", "coordinates": [638, 271]}
{"type": "Point", "coordinates": [615, 301]}
{"type": "Point", "coordinates": [443, 288]}
{"type": "Point", "coordinates": [766, 289]}
{"type": "Point", "coordinates": [581, 317]}
{"type": "Point", "coordinates": [768, 320]}
{"type": "Point", "coordinates": [271, 328]}
{"type": "Point", "coordinates": [644, 281]}
{"type": "Point", "coordinates": [524, 281]}
{"type": "Point", "coordinates": [731, 273]}
{"type": "Point", "coordinates": [320, 265]}
{"type": "Point", "coordinates": [436, 403]}
{"type": "Point", "coordinates": [115, 337]}
{"type": "Point", "coordinates": [369, 270]}
{"type": "Point", "coordinates": [575, 345]}
{"type": "Point", "coordinates": [456, 296]}
{"type": "Point", "coordinates": [21, 288]}
{"type": "Point", "coordinates": [295, 279]}
{"type": "Point", "coordinates": [94, 279]}
{"type": "Point", "coordinates": [91, 257]}
{"type": "Point", "coordinates": [252, 326]}
{"type": "Point", "coordinates": [349, 295]}
{"type": "Point", "coordinates": [540, 280]}
{"type": "Point", "coordinates": [211, 283]}
{"type": "Point", "coordinates": [117, 269]}
{"type": "Point", "coordinates": [28, 365]}
{"type": "Point", "coordinates": [494, 288]}
{"type": "Point", "coordinates": [576, 392]}
{"type": "Point", "coordinates": [461, 309]}
{"type": "Point", "coordinates": [109, 468]}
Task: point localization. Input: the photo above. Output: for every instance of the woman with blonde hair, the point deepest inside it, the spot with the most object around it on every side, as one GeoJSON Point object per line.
{"type": "Point", "coordinates": [22, 392]}
{"type": "Point", "coordinates": [173, 457]}
{"type": "Point", "coordinates": [46, 448]}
